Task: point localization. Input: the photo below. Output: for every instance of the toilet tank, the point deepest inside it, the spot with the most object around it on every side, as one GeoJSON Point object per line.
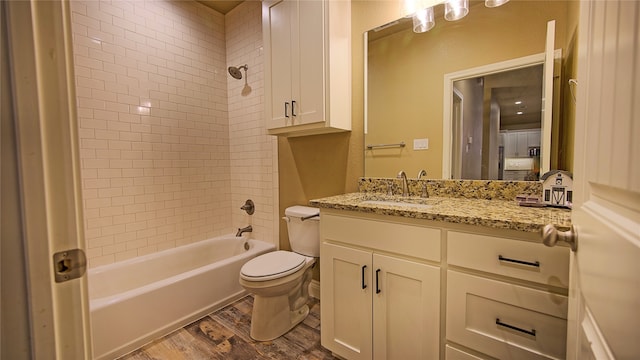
{"type": "Point", "coordinates": [304, 235]}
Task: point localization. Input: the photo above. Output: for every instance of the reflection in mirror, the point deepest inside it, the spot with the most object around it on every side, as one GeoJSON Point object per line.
{"type": "Point", "coordinates": [496, 122]}
{"type": "Point", "coordinates": [404, 83]}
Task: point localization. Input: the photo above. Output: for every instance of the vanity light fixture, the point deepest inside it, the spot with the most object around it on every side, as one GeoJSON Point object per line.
{"type": "Point", "coordinates": [518, 102]}
{"type": "Point", "coordinates": [519, 113]}
{"type": "Point", "coordinates": [421, 11]}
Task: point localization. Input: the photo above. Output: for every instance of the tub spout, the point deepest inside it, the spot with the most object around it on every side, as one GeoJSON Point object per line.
{"type": "Point", "coordinates": [244, 230]}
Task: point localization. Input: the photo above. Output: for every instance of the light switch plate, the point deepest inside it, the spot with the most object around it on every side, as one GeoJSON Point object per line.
{"type": "Point", "coordinates": [420, 144]}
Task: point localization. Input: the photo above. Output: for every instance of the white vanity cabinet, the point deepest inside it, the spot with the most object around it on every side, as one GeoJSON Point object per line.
{"type": "Point", "coordinates": [506, 298]}
{"type": "Point", "coordinates": [394, 287]}
{"type": "Point", "coordinates": [307, 46]}
{"type": "Point", "coordinates": [380, 288]}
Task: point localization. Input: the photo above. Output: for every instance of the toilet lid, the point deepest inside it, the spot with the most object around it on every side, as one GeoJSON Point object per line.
{"type": "Point", "coordinates": [272, 265]}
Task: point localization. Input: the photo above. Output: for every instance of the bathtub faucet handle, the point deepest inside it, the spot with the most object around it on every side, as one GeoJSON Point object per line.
{"type": "Point", "coordinates": [249, 207]}
{"type": "Point", "coordinates": [244, 230]}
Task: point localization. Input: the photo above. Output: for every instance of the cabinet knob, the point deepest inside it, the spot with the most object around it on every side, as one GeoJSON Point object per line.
{"type": "Point", "coordinates": [551, 235]}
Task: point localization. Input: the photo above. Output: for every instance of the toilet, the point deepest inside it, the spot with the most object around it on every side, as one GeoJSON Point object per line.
{"type": "Point", "coordinates": [280, 280]}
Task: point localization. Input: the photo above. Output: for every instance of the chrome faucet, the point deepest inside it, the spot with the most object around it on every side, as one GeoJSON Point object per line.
{"type": "Point", "coordinates": [425, 193]}
{"type": "Point", "coordinates": [405, 186]}
{"type": "Point", "coordinates": [244, 230]}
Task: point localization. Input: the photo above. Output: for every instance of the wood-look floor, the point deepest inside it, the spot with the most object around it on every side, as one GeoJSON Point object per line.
{"type": "Point", "coordinates": [224, 334]}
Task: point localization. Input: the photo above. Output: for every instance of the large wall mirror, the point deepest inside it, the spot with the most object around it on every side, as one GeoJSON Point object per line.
{"type": "Point", "coordinates": [465, 99]}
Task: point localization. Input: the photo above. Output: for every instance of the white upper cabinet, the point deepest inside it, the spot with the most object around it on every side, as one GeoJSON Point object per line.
{"type": "Point", "coordinates": [308, 66]}
{"type": "Point", "coordinates": [517, 143]}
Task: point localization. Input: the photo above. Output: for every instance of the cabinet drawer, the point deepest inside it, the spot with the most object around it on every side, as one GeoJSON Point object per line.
{"type": "Point", "coordinates": [403, 239]}
{"type": "Point", "coordinates": [452, 353]}
{"type": "Point", "coordinates": [519, 259]}
{"type": "Point", "coordinates": [503, 320]}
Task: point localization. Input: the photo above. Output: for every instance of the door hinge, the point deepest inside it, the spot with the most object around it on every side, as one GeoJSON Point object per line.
{"type": "Point", "coordinates": [69, 264]}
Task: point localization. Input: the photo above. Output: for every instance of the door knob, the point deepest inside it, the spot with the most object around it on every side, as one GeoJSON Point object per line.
{"type": "Point", "coordinates": [551, 235]}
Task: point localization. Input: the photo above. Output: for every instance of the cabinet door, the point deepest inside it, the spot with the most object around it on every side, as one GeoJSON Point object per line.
{"type": "Point", "coordinates": [278, 24]}
{"type": "Point", "coordinates": [516, 144]}
{"type": "Point", "coordinates": [406, 309]}
{"type": "Point", "coordinates": [345, 312]}
{"type": "Point", "coordinates": [534, 138]}
{"type": "Point", "coordinates": [522, 149]}
{"type": "Point", "coordinates": [510, 145]}
{"type": "Point", "coordinates": [308, 65]}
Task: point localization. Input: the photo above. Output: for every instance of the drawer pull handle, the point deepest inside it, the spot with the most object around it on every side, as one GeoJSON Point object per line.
{"type": "Point", "coordinates": [377, 288]}
{"type": "Point", "coordinates": [531, 332]}
{"type": "Point", "coordinates": [364, 286]}
{"type": "Point", "coordinates": [286, 109]}
{"type": "Point", "coordinates": [521, 262]}
{"type": "Point", "coordinates": [293, 108]}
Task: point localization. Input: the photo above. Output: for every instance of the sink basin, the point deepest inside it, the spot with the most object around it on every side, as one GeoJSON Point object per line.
{"type": "Point", "coordinates": [396, 204]}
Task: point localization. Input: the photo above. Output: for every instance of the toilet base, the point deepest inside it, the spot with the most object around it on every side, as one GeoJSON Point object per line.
{"type": "Point", "coordinates": [272, 318]}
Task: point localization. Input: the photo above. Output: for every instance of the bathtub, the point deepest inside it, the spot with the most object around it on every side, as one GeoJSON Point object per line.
{"type": "Point", "coordinates": [135, 301]}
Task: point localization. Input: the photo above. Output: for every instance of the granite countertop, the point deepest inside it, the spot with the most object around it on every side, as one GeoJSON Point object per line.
{"type": "Point", "coordinates": [499, 214]}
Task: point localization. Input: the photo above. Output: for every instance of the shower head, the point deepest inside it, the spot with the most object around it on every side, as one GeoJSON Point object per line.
{"type": "Point", "coordinates": [235, 71]}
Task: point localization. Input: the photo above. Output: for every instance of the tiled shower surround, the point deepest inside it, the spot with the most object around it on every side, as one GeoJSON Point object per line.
{"type": "Point", "coordinates": [170, 144]}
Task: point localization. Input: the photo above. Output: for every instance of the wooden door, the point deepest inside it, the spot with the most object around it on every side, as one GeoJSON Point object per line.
{"type": "Point", "coordinates": [604, 314]}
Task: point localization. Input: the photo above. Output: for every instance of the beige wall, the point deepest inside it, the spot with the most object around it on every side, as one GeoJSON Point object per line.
{"type": "Point", "coordinates": [170, 145]}
{"type": "Point", "coordinates": [407, 72]}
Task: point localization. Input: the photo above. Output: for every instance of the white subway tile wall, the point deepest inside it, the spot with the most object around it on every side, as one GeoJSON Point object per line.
{"type": "Point", "coordinates": [154, 113]}
{"type": "Point", "coordinates": [254, 168]}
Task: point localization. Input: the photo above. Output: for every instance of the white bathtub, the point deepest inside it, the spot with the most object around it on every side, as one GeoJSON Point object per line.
{"type": "Point", "coordinates": [135, 301]}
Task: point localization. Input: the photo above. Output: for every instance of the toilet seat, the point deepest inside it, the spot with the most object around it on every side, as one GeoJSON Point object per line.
{"type": "Point", "coordinates": [272, 265]}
